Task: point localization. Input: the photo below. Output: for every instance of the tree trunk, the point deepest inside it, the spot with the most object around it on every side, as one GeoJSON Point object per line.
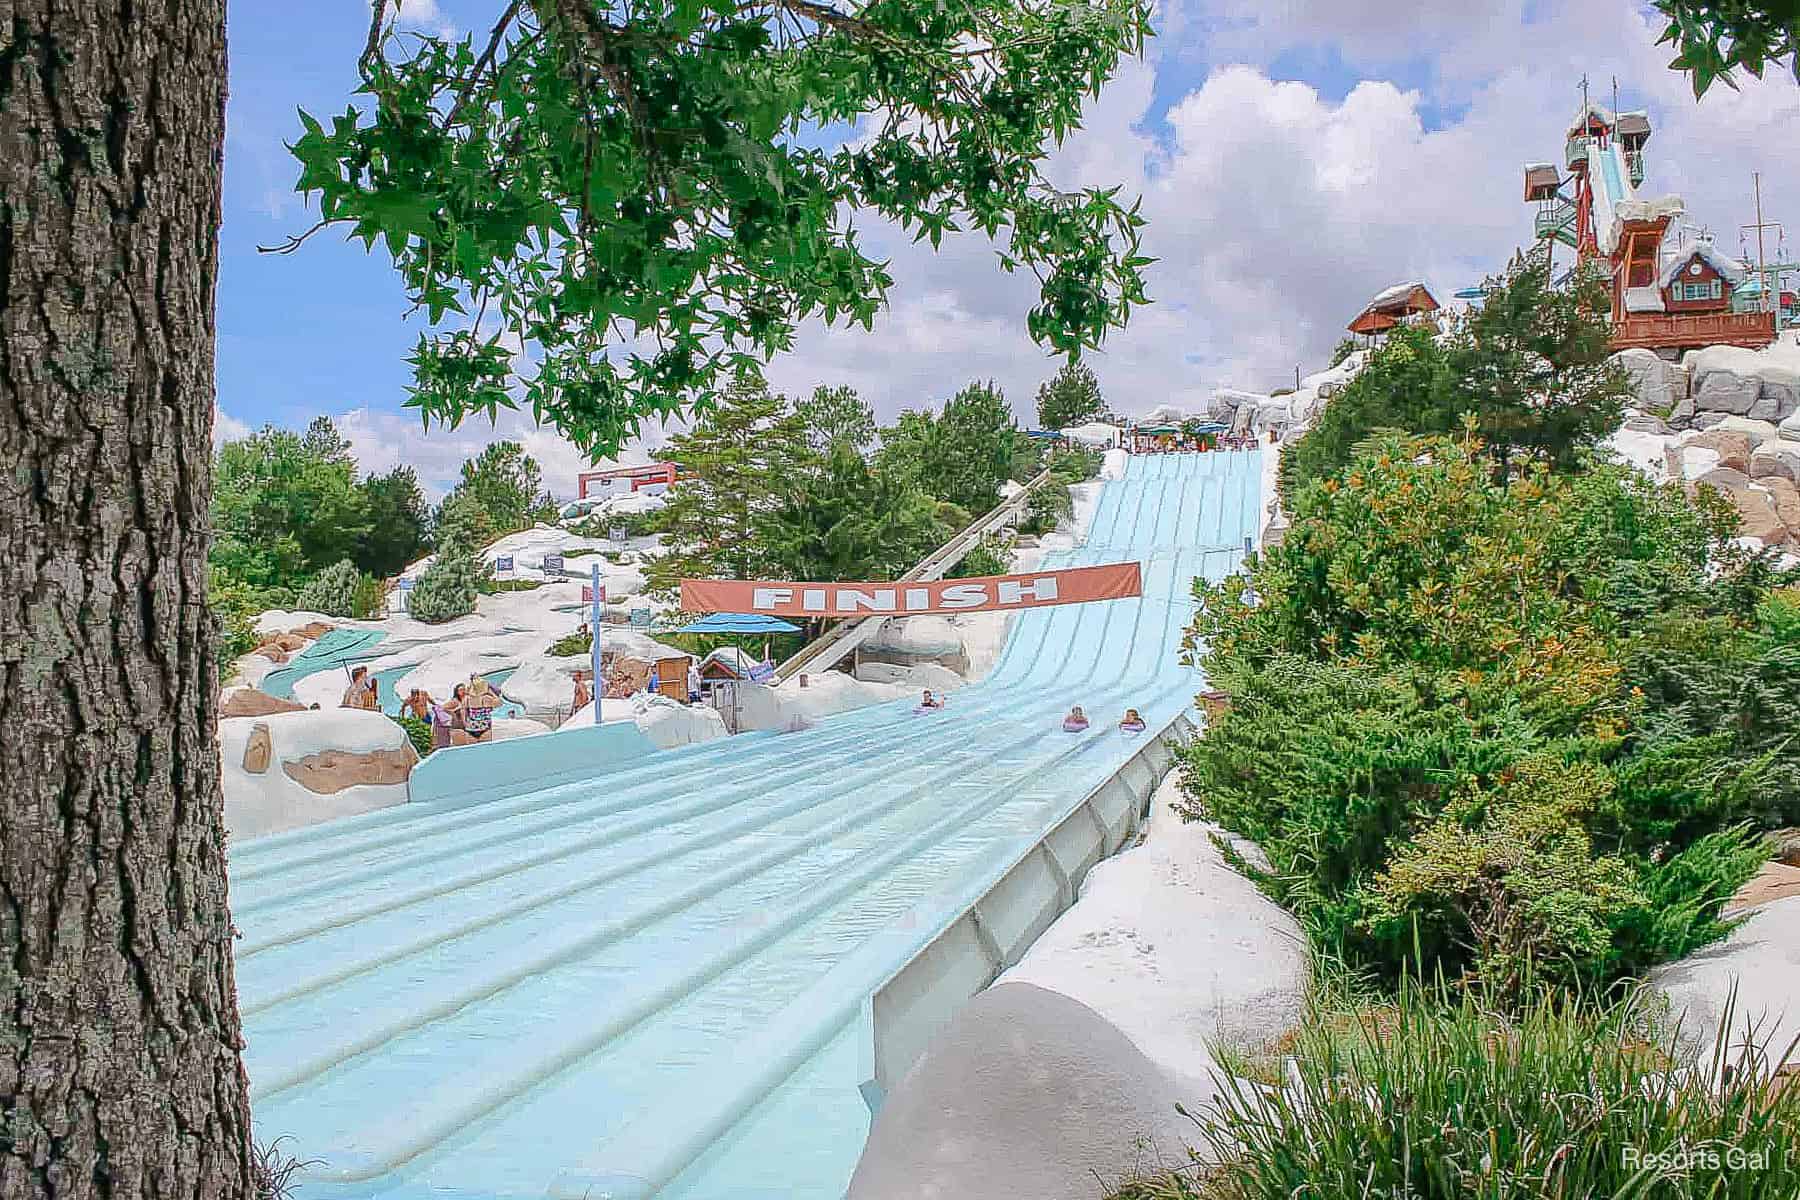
{"type": "Point", "coordinates": [120, 1073]}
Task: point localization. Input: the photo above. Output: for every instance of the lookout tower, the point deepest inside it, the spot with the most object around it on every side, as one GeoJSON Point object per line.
{"type": "Point", "coordinates": [1592, 205]}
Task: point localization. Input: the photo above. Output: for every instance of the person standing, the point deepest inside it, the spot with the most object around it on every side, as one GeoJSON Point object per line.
{"type": "Point", "coordinates": [583, 697]}
{"type": "Point", "coordinates": [443, 720]}
{"type": "Point", "coordinates": [361, 692]}
{"type": "Point", "coordinates": [479, 703]}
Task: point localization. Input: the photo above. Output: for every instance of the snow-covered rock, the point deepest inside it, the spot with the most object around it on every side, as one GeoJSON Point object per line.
{"type": "Point", "coordinates": [1776, 460]}
{"type": "Point", "coordinates": [1177, 950]}
{"type": "Point", "coordinates": [508, 728]}
{"type": "Point", "coordinates": [1648, 452]}
{"type": "Point", "coordinates": [1762, 384]}
{"type": "Point", "coordinates": [917, 639]}
{"type": "Point", "coordinates": [1094, 434]}
{"type": "Point", "coordinates": [1025, 1093]}
{"type": "Point", "coordinates": [1113, 465]}
{"type": "Point", "coordinates": [1761, 961]}
{"type": "Point", "coordinates": [271, 800]}
{"type": "Point", "coordinates": [667, 723]}
{"type": "Point", "coordinates": [281, 620]}
{"type": "Point", "coordinates": [1652, 381]}
{"type": "Point", "coordinates": [915, 678]}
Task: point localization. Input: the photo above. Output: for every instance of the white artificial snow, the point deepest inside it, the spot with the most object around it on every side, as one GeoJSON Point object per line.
{"type": "Point", "coordinates": [273, 801]}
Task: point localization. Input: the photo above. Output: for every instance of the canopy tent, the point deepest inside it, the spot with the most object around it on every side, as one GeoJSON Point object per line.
{"type": "Point", "coordinates": [1157, 430]}
{"type": "Point", "coordinates": [1208, 427]}
{"type": "Point", "coordinates": [739, 623]}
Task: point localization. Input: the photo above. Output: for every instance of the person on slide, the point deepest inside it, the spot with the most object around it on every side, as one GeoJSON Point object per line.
{"type": "Point", "coordinates": [1076, 721]}
{"type": "Point", "coordinates": [1132, 722]}
{"type": "Point", "coordinates": [930, 702]}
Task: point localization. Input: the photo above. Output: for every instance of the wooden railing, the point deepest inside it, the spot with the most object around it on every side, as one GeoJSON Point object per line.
{"type": "Point", "coordinates": [1658, 331]}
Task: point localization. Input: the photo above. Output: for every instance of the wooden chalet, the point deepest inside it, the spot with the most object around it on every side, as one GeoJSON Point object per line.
{"type": "Point", "coordinates": [1392, 307]}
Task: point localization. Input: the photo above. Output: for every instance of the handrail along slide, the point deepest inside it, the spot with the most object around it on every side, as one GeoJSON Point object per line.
{"type": "Point", "coordinates": [827, 650]}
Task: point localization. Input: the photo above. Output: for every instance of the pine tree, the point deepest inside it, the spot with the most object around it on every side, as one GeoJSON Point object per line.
{"type": "Point", "coordinates": [1069, 397]}
{"type": "Point", "coordinates": [449, 586]}
{"type": "Point", "coordinates": [501, 491]}
{"type": "Point", "coordinates": [398, 518]}
{"type": "Point", "coordinates": [739, 462]}
{"type": "Point", "coordinates": [851, 521]}
{"type": "Point", "coordinates": [976, 444]}
{"type": "Point", "coordinates": [836, 415]}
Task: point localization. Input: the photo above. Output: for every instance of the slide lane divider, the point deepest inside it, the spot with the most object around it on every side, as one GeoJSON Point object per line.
{"type": "Point", "coordinates": [660, 1143]}
{"type": "Point", "coordinates": [443, 886]}
{"type": "Point", "coordinates": [621, 869]}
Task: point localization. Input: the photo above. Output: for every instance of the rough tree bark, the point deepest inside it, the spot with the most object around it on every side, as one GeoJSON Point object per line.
{"type": "Point", "coordinates": [120, 1070]}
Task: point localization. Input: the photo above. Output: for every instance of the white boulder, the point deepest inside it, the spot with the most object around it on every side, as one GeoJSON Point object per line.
{"type": "Point", "coordinates": [1653, 381]}
{"type": "Point", "coordinates": [1177, 949]}
{"type": "Point", "coordinates": [272, 800]}
{"type": "Point", "coordinates": [917, 638]}
{"type": "Point", "coordinates": [1026, 1093]}
{"type": "Point", "coordinates": [1761, 961]}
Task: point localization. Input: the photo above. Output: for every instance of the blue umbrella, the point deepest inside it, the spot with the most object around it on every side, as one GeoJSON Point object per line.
{"type": "Point", "coordinates": [739, 623]}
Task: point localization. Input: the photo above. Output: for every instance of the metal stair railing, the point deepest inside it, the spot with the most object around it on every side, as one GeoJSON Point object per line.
{"type": "Point", "coordinates": [825, 651]}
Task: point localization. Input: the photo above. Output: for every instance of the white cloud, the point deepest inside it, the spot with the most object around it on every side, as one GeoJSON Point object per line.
{"type": "Point", "coordinates": [423, 15]}
{"type": "Point", "coordinates": [384, 440]}
{"type": "Point", "coordinates": [226, 428]}
{"type": "Point", "coordinates": [1276, 211]}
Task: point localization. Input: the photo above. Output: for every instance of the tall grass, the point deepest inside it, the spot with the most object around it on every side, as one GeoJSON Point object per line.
{"type": "Point", "coordinates": [1441, 1095]}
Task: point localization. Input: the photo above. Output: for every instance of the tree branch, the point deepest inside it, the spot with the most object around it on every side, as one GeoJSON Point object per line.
{"type": "Point", "coordinates": [484, 62]}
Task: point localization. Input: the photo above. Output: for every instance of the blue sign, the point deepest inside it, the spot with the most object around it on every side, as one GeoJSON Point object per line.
{"type": "Point", "coordinates": [553, 564]}
{"type": "Point", "coordinates": [503, 563]}
{"type": "Point", "coordinates": [406, 585]}
{"type": "Point", "coordinates": [643, 618]}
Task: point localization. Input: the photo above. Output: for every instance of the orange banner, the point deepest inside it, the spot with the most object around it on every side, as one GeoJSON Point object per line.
{"type": "Point", "coordinates": [1075, 585]}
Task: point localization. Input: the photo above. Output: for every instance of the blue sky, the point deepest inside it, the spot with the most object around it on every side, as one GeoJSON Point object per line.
{"type": "Point", "coordinates": [1293, 161]}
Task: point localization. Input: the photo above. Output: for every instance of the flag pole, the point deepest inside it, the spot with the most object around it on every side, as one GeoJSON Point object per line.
{"type": "Point", "coordinates": [594, 646]}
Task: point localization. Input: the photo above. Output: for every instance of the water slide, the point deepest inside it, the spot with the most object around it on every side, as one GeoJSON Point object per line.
{"type": "Point", "coordinates": [657, 981]}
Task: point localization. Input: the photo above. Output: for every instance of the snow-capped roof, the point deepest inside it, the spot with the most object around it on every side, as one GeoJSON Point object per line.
{"type": "Point", "coordinates": [1395, 294]}
{"type": "Point", "coordinates": [1728, 268]}
{"type": "Point", "coordinates": [1578, 123]}
{"type": "Point", "coordinates": [1540, 166]}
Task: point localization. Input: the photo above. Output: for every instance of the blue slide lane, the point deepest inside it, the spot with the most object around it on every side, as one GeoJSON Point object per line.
{"type": "Point", "coordinates": [481, 997]}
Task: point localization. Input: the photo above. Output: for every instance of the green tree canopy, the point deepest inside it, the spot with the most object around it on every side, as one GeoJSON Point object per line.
{"type": "Point", "coordinates": [962, 453]}
{"type": "Point", "coordinates": [740, 461]}
{"type": "Point", "coordinates": [1069, 397]}
{"type": "Point", "coordinates": [286, 506]}
{"type": "Point", "coordinates": [637, 195]}
{"type": "Point", "coordinates": [501, 491]}
{"type": "Point", "coordinates": [1714, 37]}
{"type": "Point", "coordinates": [836, 416]}
{"type": "Point", "coordinates": [851, 521]}
{"type": "Point", "coordinates": [398, 521]}
{"type": "Point", "coordinates": [1532, 367]}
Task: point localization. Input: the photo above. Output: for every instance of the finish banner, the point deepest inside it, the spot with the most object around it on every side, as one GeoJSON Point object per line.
{"type": "Point", "coordinates": [1075, 585]}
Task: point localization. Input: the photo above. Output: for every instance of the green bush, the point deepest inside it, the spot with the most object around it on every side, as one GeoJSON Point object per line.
{"type": "Point", "coordinates": [601, 525]}
{"type": "Point", "coordinates": [490, 586]}
{"type": "Point", "coordinates": [992, 556]}
{"type": "Point", "coordinates": [235, 606]}
{"type": "Point", "coordinates": [1074, 464]}
{"type": "Point", "coordinates": [332, 591]}
{"type": "Point", "coordinates": [574, 643]}
{"type": "Point", "coordinates": [448, 587]}
{"type": "Point", "coordinates": [1046, 509]}
{"type": "Point", "coordinates": [417, 731]}
{"type": "Point", "coordinates": [1437, 730]}
{"type": "Point", "coordinates": [1445, 1098]}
